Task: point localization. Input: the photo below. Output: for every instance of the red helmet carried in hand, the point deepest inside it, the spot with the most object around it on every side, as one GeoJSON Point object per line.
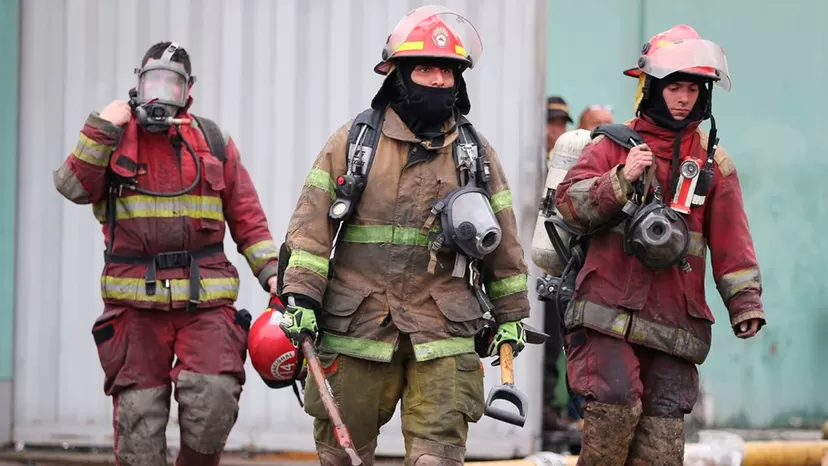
{"type": "Point", "coordinates": [278, 362]}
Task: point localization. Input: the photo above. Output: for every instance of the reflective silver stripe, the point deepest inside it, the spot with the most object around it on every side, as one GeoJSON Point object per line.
{"type": "Point", "coordinates": [142, 206]}
{"type": "Point", "coordinates": [260, 253]}
{"type": "Point", "coordinates": [92, 152]}
{"type": "Point", "coordinates": [671, 340]}
{"type": "Point", "coordinates": [134, 289]}
{"type": "Point", "coordinates": [730, 284]}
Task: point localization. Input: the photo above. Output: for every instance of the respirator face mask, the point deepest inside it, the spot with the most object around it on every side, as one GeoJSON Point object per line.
{"type": "Point", "coordinates": [162, 91]}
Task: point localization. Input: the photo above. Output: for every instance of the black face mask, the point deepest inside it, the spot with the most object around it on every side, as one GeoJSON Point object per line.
{"type": "Point", "coordinates": [656, 108]}
{"type": "Point", "coordinates": [423, 109]}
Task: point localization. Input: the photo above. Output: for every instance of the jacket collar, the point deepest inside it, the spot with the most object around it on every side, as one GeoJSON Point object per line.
{"type": "Point", "coordinates": [394, 128]}
{"type": "Point", "coordinates": [661, 139]}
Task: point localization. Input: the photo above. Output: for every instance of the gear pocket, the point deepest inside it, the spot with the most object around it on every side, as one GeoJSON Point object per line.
{"type": "Point", "coordinates": [339, 306]}
{"type": "Point", "coordinates": [461, 310]}
{"type": "Point", "coordinates": [111, 341]}
{"type": "Point", "coordinates": [331, 365]}
{"type": "Point", "coordinates": [469, 396]}
{"type": "Point", "coordinates": [211, 214]}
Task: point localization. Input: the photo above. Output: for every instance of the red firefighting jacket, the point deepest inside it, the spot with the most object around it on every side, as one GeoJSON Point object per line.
{"type": "Point", "coordinates": [149, 226]}
{"type": "Point", "coordinates": [665, 309]}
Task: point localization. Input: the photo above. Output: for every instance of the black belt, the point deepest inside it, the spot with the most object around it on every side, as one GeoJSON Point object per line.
{"type": "Point", "coordinates": [170, 260]}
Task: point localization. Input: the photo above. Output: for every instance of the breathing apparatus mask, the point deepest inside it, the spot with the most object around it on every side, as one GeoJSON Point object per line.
{"type": "Point", "coordinates": [162, 91]}
{"type": "Point", "coordinates": [655, 234]}
{"type": "Point", "coordinates": [469, 223]}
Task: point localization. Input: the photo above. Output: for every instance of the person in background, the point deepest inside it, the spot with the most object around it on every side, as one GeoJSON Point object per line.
{"type": "Point", "coordinates": [557, 117]}
{"type": "Point", "coordinates": [594, 116]}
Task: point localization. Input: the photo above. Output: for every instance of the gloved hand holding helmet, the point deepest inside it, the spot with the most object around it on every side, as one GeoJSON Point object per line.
{"type": "Point", "coordinates": [511, 333]}
{"type": "Point", "coordinates": [299, 320]}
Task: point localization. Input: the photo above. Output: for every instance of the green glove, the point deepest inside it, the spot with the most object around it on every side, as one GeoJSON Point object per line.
{"type": "Point", "coordinates": [508, 332]}
{"type": "Point", "coordinates": [298, 321]}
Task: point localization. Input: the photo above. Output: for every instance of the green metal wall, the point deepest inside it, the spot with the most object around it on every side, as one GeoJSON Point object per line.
{"type": "Point", "coordinates": [9, 64]}
{"type": "Point", "coordinates": [772, 124]}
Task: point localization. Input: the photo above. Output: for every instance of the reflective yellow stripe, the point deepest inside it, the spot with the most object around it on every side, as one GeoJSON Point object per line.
{"type": "Point", "coordinates": [135, 289]}
{"type": "Point", "coordinates": [322, 180]}
{"type": "Point", "coordinates": [414, 45]}
{"type": "Point", "coordinates": [459, 50]}
{"type": "Point", "coordinates": [142, 206]}
{"type": "Point", "coordinates": [312, 262]}
{"type": "Point", "coordinates": [443, 348]}
{"type": "Point", "coordinates": [384, 234]}
{"type": "Point", "coordinates": [362, 348]}
{"type": "Point", "coordinates": [501, 200]}
{"type": "Point", "coordinates": [92, 152]}
{"type": "Point", "coordinates": [259, 253]}
{"type": "Point", "coordinates": [507, 286]}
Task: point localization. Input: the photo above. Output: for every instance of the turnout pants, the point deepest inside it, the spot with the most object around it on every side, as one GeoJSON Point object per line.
{"type": "Point", "coordinates": [439, 399]}
{"type": "Point", "coordinates": [136, 348]}
{"type": "Point", "coordinates": [636, 399]}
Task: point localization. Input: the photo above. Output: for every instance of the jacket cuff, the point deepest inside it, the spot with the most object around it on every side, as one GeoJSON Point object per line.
{"type": "Point", "coordinates": [110, 132]}
{"type": "Point", "coordinates": [747, 315]}
{"type": "Point", "coordinates": [269, 271]}
{"type": "Point", "coordinates": [622, 188]}
{"type": "Point", "coordinates": [517, 308]}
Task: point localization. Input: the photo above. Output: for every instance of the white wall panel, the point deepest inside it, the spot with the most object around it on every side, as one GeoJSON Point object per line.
{"type": "Point", "coordinates": [280, 76]}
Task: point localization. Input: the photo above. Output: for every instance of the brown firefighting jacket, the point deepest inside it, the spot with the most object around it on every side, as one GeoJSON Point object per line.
{"type": "Point", "coordinates": [381, 285]}
{"type": "Point", "coordinates": [663, 309]}
{"type": "Point", "coordinates": [147, 225]}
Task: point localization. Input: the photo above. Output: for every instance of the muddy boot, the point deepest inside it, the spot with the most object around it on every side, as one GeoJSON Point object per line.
{"type": "Point", "coordinates": [657, 440]}
{"type": "Point", "coordinates": [608, 431]}
{"type": "Point", "coordinates": [336, 456]}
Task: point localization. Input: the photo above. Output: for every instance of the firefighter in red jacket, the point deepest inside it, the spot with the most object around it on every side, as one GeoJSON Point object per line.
{"type": "Point", "coordinates": [638, 324]}
{"type": "Point", "coordinates": [163, 196]}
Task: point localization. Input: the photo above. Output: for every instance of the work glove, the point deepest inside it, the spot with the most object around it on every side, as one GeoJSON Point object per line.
{"type": "Point", "coordinates": [511, 333]}
{"type": "Point", "coordinates": [299, 320]}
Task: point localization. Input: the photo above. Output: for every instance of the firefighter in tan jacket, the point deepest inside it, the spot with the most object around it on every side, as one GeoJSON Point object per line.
{"type": "Point", "coordinates": [396, 309]}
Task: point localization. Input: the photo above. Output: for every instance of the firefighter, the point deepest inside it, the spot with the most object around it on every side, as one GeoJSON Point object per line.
{"type": "Point", "coordinates": [162, 190]}
{"type": "Point", "coordinates": [401, 301]}
{"type": "Point", "coordinates": [638, 324]}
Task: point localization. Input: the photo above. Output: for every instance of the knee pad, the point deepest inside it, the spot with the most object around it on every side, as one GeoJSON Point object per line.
{"type": "Point", "coordinates": [208, 409]}
{"type": "Point", "coordinates": [430, 453]}
{"type": "Point", "coordinates": [141, 417]}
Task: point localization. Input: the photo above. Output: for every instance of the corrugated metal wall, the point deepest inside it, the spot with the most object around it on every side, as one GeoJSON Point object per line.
{"type": "Point", "coordinates": [280, 76]}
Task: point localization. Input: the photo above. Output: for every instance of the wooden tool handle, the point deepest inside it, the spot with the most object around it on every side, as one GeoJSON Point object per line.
{"type": "Point", "coordinates": [507, 369]}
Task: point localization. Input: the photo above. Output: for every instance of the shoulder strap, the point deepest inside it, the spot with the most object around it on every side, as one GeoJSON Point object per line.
{"type": "Point", "coordinates": [480, 164]}
{"type": "Point", "coordinates": [620, 134]}
{"type": "Point", "coordinates": [212, 133]}
{"type": "Point", "coordinates": [365, 133]}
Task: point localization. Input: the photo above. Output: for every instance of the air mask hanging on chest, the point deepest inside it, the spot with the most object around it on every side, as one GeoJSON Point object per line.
{"type": "Point", "coordinates": [655, 234]}
{"type": "Point", "coordinates": [162, 91]}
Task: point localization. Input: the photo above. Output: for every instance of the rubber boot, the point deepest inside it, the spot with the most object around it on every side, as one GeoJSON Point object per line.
{"type": "Point", "coordinates": [608, 431]}
{"type": "Point", "coordinates": [430, 453]}
{"type": "Point", "coordinates": [657, 440]}
{"type": "Point", "coordinates": [330, 456]}
{"type": "Point", "coordinates": [189, 457]}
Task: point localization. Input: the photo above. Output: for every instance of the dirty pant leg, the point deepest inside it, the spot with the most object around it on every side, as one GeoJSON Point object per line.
{"type": "Point", "coordinates": [211, 346]}
{"type": "Point", "coordinates": [671, 388]}
{"type": "Point", "coordinates": [135, 348]}
{"type": "Point", "coordinates": [441, 398]}
{"type": "Point", "coordinates": [552, 350]}
{"type": "Point", "coordinates": [605, 371]}
{"type": "Point", "coordinates": [366, 392]}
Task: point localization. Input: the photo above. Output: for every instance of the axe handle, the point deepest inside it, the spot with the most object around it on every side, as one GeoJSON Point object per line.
{"type": "Point", "coordinates": [507, 369]}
